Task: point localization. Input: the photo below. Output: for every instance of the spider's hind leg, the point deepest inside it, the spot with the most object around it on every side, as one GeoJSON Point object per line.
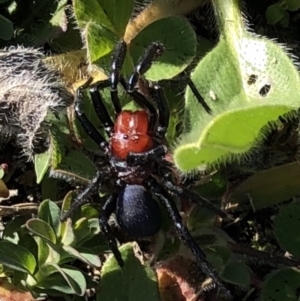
{"type": "Point", "coordinates": [107, 209]}
{"type": "Point", "coordinates": [185, 235]}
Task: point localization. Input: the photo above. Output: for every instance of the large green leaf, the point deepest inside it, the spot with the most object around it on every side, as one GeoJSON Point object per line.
{"type": "Point", "coordinates": [135, 281]}
{"type": "Point", "coordinates": [282, 285]}
{"type": "Point", "coordinates": [286, 227]}
{"type": "Point", "coordinates": [247, 81]}
{"type": "Point", "coordinates": [179, 40]}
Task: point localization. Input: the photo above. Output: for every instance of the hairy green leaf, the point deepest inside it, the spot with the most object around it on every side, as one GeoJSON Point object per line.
{"type": "Point", "coordinates": [247, 81]}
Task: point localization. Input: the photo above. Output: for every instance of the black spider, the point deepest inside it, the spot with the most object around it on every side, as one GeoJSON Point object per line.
{"type": "Point", "coordinates": [136, 161]}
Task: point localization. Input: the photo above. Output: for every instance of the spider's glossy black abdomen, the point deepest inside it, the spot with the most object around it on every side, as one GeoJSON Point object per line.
{"type": "Point", "coordinates": [137, 212]}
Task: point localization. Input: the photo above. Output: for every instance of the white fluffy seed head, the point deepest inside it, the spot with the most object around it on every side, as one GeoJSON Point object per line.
{"type": "Point", "coordinates": [29, 89]}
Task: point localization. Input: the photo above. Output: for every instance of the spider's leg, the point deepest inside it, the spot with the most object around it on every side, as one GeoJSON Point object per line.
{"type": "Point", "coordinates": [107, 209]}
{"type": "Point", "coordinates": [83, 197]}
{"type": "Point", "coordinates": [163, 111]}
{"type": "Point", "coordinates": [197, 94]}
{"type": "Point", "coordinates": [88, 127]}
{"type": "Point", "coordinates": [100, 109]}
{"type": "Point", "coordinates": [142, 101]}
{"type": "Point", "coordinates": [155, 154]}
{"type": "Point", "coordinates": [195, 198]}
{"type": "Point", "coordinates": [184, 234]}
{"type": "Point", "coordinates": [116, 66]}
{"type": "Point", "coordinates": [153, 51]}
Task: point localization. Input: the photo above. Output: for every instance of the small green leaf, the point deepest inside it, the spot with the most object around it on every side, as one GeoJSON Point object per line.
{"type": "Point", "coordinates": [64, 208]}
{"type": "Point", "coordinates": [41, 164]}
{"type": "Point", "coordinates": [41, 229]}
{"type": "Point", "coordinates": [274, 14]}
{"type": "Point", "coordinates": [293, 5]}
{"type": "Point", "coordinates": [179, 39]}
{"type": "Point", "coordinates": [68, 280]}
{"type": "Point", "coordinates": [77, 164]}
{"type": "Point", "coordinates": [135, 282]}
{"type": "Point", "coordinates": [29, 243]}
{"type": "Point", "coordinates": [7, 29]}
{"type": "Point", "coordinates": [2, 172]}
{"type": "Point", "coordinates": [43, 251]}
{"type": "Point", "coordinates": [17, 257]}
{"type": "Point", "coordinates": [49, 212]}
{"type": "Point", "coordinates": [84, 255]}
{"type": "Point", "coordinates": [282, 285]}
{"type": "Point", "coordinates": [200, 217]}
{"type": "Point", "coordinates": [58, 145]}
{"type": "Point", "coordinates": [81, 229]}
{"type": "Point", "coordinates": [67, 235]}
{"type": "Point", "coordinates": [4, 192]}
{"type": "Point", "coordinates": [12, 228]}
{"type": "Point", "coordinates": [286, 226]}
{"type": "Point", "coordinates": [237, 273]}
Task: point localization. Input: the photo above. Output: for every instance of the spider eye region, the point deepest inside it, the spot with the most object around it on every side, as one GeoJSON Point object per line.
{"type": "Point", "coordinates": [130, 134]}
{"type": "Point", "coordinates": [137, 212]}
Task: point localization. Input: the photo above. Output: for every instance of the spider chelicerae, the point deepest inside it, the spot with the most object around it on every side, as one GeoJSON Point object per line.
{"type": "Point", "coordinates": [136, 160]}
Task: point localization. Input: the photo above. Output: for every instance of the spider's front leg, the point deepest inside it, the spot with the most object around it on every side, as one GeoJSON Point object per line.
{"type": "Point", "coordinates": [118, 59]}
{"type": "Point", "coordinates": [154, 50]}
{"type": "Point", "coordinates": [154, 154]}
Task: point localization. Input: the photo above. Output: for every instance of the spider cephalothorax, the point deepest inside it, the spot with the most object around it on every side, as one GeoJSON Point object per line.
{"type": "Point", "coordinates": [136, 160]}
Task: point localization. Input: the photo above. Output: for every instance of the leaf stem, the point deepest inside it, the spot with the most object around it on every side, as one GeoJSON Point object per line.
{"type": "Point", "coordinates": [229, 19]}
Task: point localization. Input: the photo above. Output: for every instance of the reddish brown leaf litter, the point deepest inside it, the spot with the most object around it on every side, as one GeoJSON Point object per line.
{"type": "Point", "coordinates": [9, 292]}
{"type": "Point", "coordinates": [179, 279]}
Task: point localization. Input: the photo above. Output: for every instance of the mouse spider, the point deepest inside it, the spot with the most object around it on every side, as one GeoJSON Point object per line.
{"type": "Point", "coordinates": [136, 164]}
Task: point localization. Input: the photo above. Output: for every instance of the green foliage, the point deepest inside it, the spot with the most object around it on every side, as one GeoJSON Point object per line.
{"type": "Point", "coordinates": [42, 21]}
{"type": "Point", "coordinates": [45, 248]}
{"type": "Point", "coordinates": [245, 92]}
{"type": "Point", "coordinates": [286, 223]}
{"type": "Point", "coordinates": [135, 281]}
{"type": "Point", "coordinates": [282, 285]}
{"type": "Point", "coordinates": [102, 25]}
{"type": "Point", "coordinates": [248, 81]}
{"type": "Point", "coordinates": [279, 12]}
